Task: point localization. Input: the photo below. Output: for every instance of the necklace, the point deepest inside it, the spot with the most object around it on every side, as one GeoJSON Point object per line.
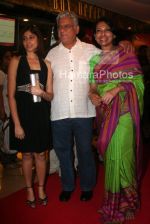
{"type": "Point", "coordinates": [110, 51]}
{"type": "Point", "coordinates": [107, 56]}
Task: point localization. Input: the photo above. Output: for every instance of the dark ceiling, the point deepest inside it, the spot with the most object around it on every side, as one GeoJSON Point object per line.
{"type": "Point", "coordinates": [138, 9]}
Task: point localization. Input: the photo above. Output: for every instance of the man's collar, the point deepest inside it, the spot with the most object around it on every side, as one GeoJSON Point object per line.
{"type": "Point", "coordinates": [77, 44]}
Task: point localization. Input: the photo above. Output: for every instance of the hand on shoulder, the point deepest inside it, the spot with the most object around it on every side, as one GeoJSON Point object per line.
{"type": "Point", "coordinates": [127, 46]}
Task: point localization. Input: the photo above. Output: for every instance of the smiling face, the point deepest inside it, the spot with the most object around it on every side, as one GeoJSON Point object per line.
{"type": "Point", "coordinates": [67, 31]}
{"type": "Point", "coordinates": [104, 35]}
{"type": "Point", "coordinates": [30, 41]}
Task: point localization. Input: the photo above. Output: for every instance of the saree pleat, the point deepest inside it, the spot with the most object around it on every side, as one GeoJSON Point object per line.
{"type": "Point", "coordinates": [120, 182]}
{"type": "Point", "coordinates": [120, 156]}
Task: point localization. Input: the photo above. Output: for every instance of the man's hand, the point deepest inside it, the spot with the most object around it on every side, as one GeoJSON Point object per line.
{"type": "Point", "coordinates": [127, 46]}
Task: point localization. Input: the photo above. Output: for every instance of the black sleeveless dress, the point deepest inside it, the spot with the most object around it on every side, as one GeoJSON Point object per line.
{"type": "Point", "coordinates": [34, 117]}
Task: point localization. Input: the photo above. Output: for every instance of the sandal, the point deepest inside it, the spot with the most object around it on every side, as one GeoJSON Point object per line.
{"type": "Point", "coordinates": [42, 201]}
{"type": "Point", "coordinates": [31, 203]}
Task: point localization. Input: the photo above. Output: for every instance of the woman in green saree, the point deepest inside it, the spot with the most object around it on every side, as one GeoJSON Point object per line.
{"type": "Point", "coordinates": [116, 89]}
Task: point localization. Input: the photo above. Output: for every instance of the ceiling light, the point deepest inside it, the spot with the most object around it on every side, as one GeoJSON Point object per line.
{"type": "Point", "coordinates": [25, 20]}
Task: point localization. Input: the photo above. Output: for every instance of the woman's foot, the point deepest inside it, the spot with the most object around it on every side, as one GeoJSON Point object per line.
{"type": "Point", "coordinates": [30, 197]}
{"type": "Point", "coordinates": [43, 199]}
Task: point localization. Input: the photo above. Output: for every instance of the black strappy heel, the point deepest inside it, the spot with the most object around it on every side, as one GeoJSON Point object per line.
{"type": "Point", "coordinates": [31, 204]}
{"type": "Point", "coordinates": [43, 201]}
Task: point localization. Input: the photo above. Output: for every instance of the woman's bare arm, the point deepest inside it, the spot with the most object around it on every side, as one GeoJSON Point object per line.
{"type": "Point", "coordinates": [12, 74]}
{"type": "Point", "coordinates": [93, 95]}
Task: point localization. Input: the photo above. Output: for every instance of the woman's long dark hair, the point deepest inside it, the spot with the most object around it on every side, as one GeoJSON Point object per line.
{"type": "Point", "coordinates": [35, 30]}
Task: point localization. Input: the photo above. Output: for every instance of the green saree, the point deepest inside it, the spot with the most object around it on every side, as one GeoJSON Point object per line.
{"type": "Point", "coordinates": [119, 151]}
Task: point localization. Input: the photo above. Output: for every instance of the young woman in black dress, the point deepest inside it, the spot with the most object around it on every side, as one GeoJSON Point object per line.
{"type": "Point", "coordinates": [29, 123]}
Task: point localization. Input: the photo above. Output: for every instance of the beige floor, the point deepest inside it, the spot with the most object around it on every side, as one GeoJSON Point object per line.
{"type": "Point", "coordinates": [11, 180]}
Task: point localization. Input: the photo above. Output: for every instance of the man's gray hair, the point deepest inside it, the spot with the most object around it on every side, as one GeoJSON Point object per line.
{"type": "Point", "coordinates": [69, 14]}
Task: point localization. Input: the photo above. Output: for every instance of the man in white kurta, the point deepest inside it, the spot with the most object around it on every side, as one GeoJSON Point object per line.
{"type": "Point", "coordinates": [71, 110]}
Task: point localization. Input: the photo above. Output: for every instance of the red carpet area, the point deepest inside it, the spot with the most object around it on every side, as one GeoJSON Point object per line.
{"type": "Point", "coordinates": [14, 211]}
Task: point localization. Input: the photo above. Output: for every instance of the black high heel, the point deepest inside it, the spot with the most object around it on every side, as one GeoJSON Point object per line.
{"type": "Point", "coordinates": [31, 204]}
{"type": "Point", "coordinates": [43, 201]}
